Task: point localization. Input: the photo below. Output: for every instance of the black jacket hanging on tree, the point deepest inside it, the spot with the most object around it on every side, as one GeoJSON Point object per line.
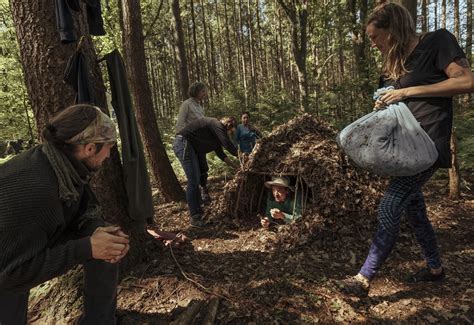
{"type": "Point", "coordinates": [65, 19]}
{"type": "Point", "coordinates": [77, 76]}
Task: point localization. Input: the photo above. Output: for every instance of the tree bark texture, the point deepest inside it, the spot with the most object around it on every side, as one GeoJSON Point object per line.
{"type": "Point", "coordinates": [454, 176]}
{"type": "Point", "coordinates": [44, 59]}
{"type": "Point", "coordinates": [298, 17]}
{"type": "Point", "coordinates": [181, 57]}
{"type": "Point", "coordinates": [410, 5]}
{"type": "Point", "coordinates": [133, 44]}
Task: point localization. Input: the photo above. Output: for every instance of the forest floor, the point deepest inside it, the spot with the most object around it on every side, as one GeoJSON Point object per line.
{"type": "Point", "coordinates": [232, 264]}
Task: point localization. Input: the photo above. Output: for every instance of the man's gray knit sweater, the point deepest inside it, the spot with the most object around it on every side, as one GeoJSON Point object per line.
{"type": "Point", "coordinates": [40, 235]}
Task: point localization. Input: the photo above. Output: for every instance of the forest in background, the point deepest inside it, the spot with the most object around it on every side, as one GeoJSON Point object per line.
{"type": "Point", "coordinates": [250, 53]}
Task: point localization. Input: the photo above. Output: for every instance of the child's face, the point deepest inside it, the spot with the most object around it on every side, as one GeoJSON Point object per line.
{"type": "Point", "coordinates": [279, 193]}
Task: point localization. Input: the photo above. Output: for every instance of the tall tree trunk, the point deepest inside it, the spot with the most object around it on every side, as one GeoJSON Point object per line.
{"type": "Point", "coordinates": [298, 17]}
{"type": "Point", "coordinates": [410, 5]}
{"type": "Point", "coordinates": [44, 59]}
{"type": "Point", "coordinates": [359, 41]}
{"type": "Point", "coordinates": [133, 44]}
{"type": "Point", "coordinates": [443, 14]}
{"type": "Point", "coordinates": [231, 69]}
{"type": "Point", "coordinates": [207, 49]}
{"type": "Point", "coordinates": [457, 27]}
{"type": "Point", "coordinates": [181, 49]}
{"type": "Point", "coordinates": [197, 63]}
{"type": "Point", "coordinates": [253, 74]}
{"type": "Point", "coordinates": [469, 47]}
{"type": "Point", "coordinates": [424, 16]}
{"type": "Point", "coordinates": [454, 175]}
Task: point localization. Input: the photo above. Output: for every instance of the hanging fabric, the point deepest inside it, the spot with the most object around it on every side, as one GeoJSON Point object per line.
{"type": "Point", "coordinates": [137, 182]}
{"type": "Point", "coordinates": [65, 19]}
{"type": "Point", "coordinates": [77, 76]}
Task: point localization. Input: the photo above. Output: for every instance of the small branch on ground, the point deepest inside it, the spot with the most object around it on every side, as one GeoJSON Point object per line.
{"type": "Point", "coordinates": [189, 314]}
{"type": "Point", "coordinates": [200, 286]}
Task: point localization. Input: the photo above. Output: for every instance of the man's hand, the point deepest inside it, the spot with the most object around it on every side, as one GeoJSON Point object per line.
{"type": "Point", "coordinates": [277, 214]}
{"type": "Point", "coordinates": [109, 244]}
{"type": "Point", "coordinates": [265, 223]}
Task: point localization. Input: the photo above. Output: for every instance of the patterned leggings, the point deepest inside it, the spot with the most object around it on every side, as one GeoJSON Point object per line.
{"type": "Point", "coordinates": [403, 194]}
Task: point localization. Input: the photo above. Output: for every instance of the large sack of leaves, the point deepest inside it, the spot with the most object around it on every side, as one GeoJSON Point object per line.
{"type": "Point", "coordinates": [389, 142]}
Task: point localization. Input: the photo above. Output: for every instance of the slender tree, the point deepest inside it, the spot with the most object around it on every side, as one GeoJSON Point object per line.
{"type": "Point", "coordinates": [411, 6]}
{"type": "Point", "coordinates": [133, 44]}
{"type": "Point", "coordinates": [181, 49]}
{"type": "Point", "coordinates": [297, 13]}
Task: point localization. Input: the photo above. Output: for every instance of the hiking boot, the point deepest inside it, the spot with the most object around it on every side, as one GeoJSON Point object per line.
{"type": "Point", "coordinates": [205, 197]}
{"type": "Point", "coordinates": [356, 286]}
{"type": "Point", "coordinates": [196, 221]}
{"type": "Point", "coordinates": [425, 275]}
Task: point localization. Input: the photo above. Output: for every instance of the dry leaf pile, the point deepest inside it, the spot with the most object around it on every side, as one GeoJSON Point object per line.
{"type": "Point", "coordinates": [332, 188]}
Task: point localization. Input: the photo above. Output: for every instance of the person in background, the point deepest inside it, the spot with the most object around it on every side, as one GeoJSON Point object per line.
{"type": "Point", "coordinates": [198, 138]}
{"type": "Point", "coordinates": [50, 220]}
{"type": "Point", "coordinates": [191, 110]}
{"type": "Point", "coordinates": [246, 134]}
{"type": "Point", "coordinates": [281, 203]}
{"type": "Point", "coordinates": [426, 71]}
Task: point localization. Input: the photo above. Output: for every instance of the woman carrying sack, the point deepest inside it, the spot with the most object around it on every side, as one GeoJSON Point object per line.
{"type": "Point", "coordinates": [426, 71]}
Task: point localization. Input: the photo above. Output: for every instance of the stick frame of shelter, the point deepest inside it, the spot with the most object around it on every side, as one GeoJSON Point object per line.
{"type": "Point", "coordinates": [241, 185]}
{"type": "Point", "coordinates": [260, 196]}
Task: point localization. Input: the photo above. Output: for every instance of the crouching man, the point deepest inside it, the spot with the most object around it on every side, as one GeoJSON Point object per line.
{"type": "Point", "coordinates": [50, 219]}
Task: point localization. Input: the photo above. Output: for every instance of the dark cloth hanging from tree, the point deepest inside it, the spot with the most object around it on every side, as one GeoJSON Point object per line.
{"type": "Point", "coordinates": [65, 19]}
{"type": "Point", "coordinates": [77, 76]}
{"type": "Point", "coordinates": [137, 182]}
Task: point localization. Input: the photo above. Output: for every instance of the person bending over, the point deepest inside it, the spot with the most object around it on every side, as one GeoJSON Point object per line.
{"type": "Point", "coordinates": [200, 137]}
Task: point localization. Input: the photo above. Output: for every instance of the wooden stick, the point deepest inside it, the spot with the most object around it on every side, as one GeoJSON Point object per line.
{"type": "Point", "coordinates": [203, 288]}
{"type": "Point", "coordinates": [260, 197]}
{"type": "Point", "coordinates": [238, 197]}
{"type": "Point", "coordinates": [189, 314]}
{"type": "Point", "coordinates": [211, 312]}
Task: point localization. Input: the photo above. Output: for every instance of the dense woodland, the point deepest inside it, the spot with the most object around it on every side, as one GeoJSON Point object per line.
{"type": "Point", "coordinates": [272, 58]}
{"type": "Point", "coordinates": [277, 59]}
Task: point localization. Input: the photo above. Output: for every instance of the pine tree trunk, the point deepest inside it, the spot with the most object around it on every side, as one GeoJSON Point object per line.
{"type": "Point", "coordinates": [410, 5]}
{"type": "Point", "coordinates": [298, 17]}
{"type": "Point", "coordinates": [196, 62]}
{"type": "Point", "coordinates": [443, 14]}
{"type": "Point", "coordinates": [181, 49]}
{"type": "Point", "coordinates": [133, 44]}
{"type": "Point", "coordinates": [44, 59]}
{"type": "Point", "coordinates": [424, 16]}
{"type": "Point", "coordinates": [457, 29]}
{"type": "Point", "coordinates": [231, 70]}
{"type": "Point", "coordinates": [454, 175]}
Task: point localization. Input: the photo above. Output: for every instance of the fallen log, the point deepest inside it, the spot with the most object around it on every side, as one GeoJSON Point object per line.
{"type": "Point", "coordinates": [189, 314]}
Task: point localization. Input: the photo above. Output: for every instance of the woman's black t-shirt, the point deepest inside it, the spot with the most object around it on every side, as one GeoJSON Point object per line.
{"type": "Point", "coordinates": [426, 64]}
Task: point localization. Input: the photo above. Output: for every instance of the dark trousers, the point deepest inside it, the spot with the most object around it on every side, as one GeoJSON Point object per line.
{"type": "Point", "coordinates": [188, 158]}
{"type": "Point", "coordinates": [403, 195]}
{"type": "Point", "coordinates": [203, 169]}
{"type": "Point", "coordinates": [100, 297]}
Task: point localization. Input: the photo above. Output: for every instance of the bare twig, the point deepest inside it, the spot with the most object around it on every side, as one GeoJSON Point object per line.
{"type": "Point", "coordinates": [200, 286]}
